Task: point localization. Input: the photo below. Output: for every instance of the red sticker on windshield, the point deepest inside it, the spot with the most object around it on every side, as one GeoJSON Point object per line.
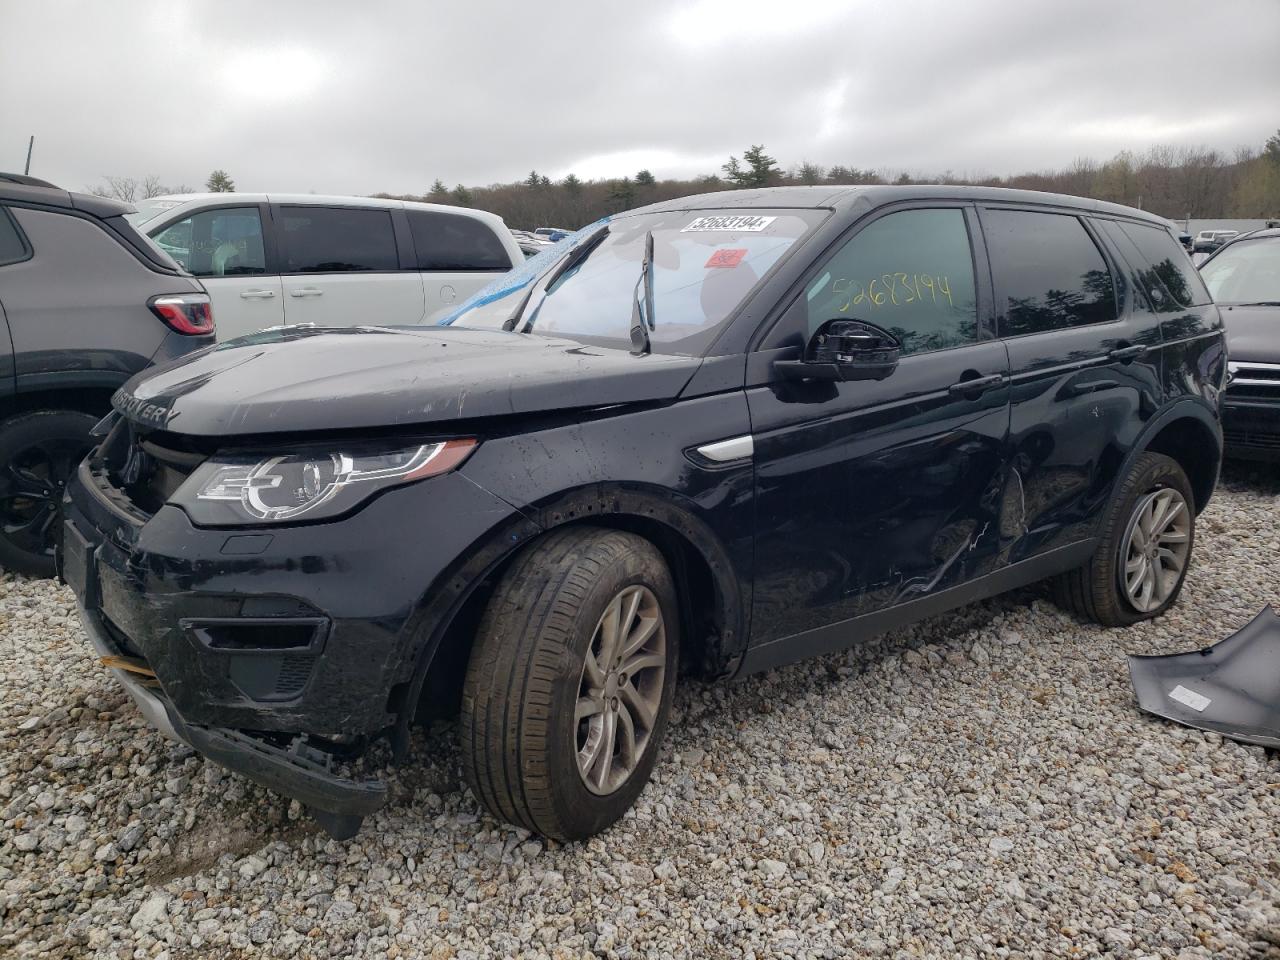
{"type": "Point", "coordinates": [726, 258]}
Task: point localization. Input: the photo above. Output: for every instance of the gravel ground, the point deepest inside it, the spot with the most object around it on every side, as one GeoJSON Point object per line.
{"type": "Point", "coordinates": [979, 785]}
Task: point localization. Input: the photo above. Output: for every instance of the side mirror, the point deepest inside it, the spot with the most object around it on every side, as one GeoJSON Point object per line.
{"type": "Point", "coordinates": [845, 350]}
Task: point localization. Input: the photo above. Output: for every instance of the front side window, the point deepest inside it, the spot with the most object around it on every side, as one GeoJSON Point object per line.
{"type": "Point", "coordinates": [455, 242]}
{"type": "Point", "coordinates": [1049, 272]}
{"type": "Point", "coordinates": [216, 243]}
{"type": "Point", "coordinates": [336, 240]}
{"type": "Point", "coordinates": [910, 273]}
{"type": "Point", "coordinates": [705, 264]}
{"type": "Point", "coordinates": [1247, 272]}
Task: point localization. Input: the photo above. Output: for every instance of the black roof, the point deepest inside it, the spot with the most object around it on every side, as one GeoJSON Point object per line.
{"type": "Point", "coordinates": [39, 193]}
{"type": "Point", "coordinates": [846, 197]}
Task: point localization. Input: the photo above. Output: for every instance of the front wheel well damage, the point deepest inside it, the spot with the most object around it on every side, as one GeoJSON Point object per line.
{"type": "Point", "coordinates": [704, 612]}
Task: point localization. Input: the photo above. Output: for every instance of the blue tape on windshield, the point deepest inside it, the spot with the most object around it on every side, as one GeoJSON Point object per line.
{"type": "Point", "coordinates": [521, 276]}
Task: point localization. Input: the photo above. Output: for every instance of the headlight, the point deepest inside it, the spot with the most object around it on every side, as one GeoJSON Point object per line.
{"type": "Point", "coordinates": [308, 484]}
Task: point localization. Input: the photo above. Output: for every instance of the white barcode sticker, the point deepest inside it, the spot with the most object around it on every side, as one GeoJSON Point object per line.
{"type": "Point", "coordinates": [1190, 698]}
{"type": "Point", "coordinates": [735, 224]}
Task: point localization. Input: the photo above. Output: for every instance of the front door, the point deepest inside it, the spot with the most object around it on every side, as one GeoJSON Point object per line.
{"type": "Point", "coordinates": [873, 494]}
{"type": "Point", "coordinates": [225, 248]}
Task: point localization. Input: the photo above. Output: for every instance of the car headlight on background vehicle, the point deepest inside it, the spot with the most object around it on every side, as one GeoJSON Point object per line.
{"type": "Point", "coordinates": [310, 484]}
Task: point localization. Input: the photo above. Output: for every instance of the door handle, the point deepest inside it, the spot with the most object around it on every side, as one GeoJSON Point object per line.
{"type": "Point", "coordinates": [1128, 354]}
{"type": "Point", "coordinates": [974, 386]}
{"type": "Point", "coordinates": [306, 292]}
{"type": "Point", "coordinates": [257, 294]}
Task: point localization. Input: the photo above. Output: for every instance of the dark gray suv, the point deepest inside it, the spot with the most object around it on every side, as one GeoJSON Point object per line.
{"type": "Point", "coordinates": [85, 303]}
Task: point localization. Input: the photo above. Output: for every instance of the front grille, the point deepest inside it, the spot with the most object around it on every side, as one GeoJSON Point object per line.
{"type": "Point", "coordinates": [1246, 438]}
{"type": "Point", "coordinates": [1254, 381]}
{"type": "Point", "coordinates": [144, 468]}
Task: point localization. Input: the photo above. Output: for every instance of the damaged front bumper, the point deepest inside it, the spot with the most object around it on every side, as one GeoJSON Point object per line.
{"type": "Point", "coordinates": [1231, 688]}
{"type": "Point", "coordinates": [296, 770]}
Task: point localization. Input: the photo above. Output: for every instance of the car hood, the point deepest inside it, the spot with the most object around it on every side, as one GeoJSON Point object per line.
{"type": "Point", "coordinates": [302, 379]}
{"type": "Point", "coordinates": [1253, 333]}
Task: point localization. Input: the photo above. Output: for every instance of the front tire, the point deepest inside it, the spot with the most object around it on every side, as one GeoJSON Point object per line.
{"type": "Point", "coordinates": [570, 682]}
{"type": "Point", "coordinates": [38, 453]}
{"type": "Point", "coordinates": [1144, 549]}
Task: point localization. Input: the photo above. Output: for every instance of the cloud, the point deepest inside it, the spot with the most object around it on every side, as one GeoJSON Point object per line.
{"type": "Point", "coordinates": [390, 95]}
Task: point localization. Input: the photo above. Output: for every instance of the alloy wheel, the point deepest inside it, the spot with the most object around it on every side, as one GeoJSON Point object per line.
{"type": "Point", "coordinates": [620, 692]}
{"type": "Point", "coordinates": [1156, 546]}
{"type": "Point", "coordinates": [31, 487]}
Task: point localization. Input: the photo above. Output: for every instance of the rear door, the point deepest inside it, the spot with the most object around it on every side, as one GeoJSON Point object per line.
{"type": "Point", "coordinates": [342, 266]}
{"type": "Point", "coordinates": [456, 254]}
{"type": "Point", "coordinates": [230, 249]}
{"type": "Point", "coordinates": [873, 494]}
{"type": "Point", "coordinates": [1084, 357]}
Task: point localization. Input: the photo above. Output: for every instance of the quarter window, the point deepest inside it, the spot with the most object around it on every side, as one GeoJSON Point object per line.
{"type": "Point", "coordinates": [910, 273]}
{"type": "Point", "coordinates": [337, 240]}
{"type": "Point", "coordinates": [12, 246]}
{"type": "Point", "coordinates": [216, 243]}
{"type": "Point", "coordinates": [1048, 271]}
{"type": "Point", "coordinates": [453, 242]}
{"type": "Point", "coordinates": [1166, 272]}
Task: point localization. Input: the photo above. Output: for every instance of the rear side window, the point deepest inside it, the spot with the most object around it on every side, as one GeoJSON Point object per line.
{"type": "Point", "coordinates": [216, 243]}
{"type": "Point", "coordinates": [910, 273]}
{"type": "Point", "coordinates": [336, 240]}
{"type": "Point", "coordinates": [1166, 271]}
{"type": "Point", "coordinates": [449, 241]}
{"type": "Point", "coordinates": [1049, 273]}
{"type": "Point", "coordinates": [13, 245]}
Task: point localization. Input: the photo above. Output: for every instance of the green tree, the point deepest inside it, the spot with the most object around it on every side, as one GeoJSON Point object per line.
{"type": "Point", "coordinates": [572, 184]}
{"type": "Point", "coordinates": [1272, 150]}
{"type": "Point", "coordinates": [220, 182]}
{"type": "Point", "coordinates": [533, 179]}
{"type": "Point", "coordinates": [645, 179]}
{"type": "Point", "coordinates": [622, 194]}
{"type": "Point", "coordinates": [809, 173]}
{"type": "Point", "coordinates": [438, 189]}
{"type": "Point", "coordinates": [759, 170]}
{"type": "Point", "coordinates": [462, 195]}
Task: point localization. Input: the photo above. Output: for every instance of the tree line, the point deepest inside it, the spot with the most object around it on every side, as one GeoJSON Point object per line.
{"type": "Point", "coordinates": [1174, 182]}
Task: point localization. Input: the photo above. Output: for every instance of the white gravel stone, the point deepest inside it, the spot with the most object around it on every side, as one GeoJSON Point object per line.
{"type": "Point", "coordinates": [980, 785]}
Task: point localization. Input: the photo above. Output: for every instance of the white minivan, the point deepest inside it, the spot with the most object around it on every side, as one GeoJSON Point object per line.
{"type": "Point", "coordinates": [273, 259]}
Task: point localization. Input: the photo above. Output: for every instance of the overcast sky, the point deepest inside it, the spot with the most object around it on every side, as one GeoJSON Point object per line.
{"type": "Point", "coordinates": [348, 97]}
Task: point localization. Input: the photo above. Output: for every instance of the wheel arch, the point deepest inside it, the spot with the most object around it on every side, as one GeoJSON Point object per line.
{"type": "Point", "coordinates": [1190, 433]}
{"type": "Point", "coordinates": [91, 400]}
{"type": "Point", "coordinates": [713, 634]}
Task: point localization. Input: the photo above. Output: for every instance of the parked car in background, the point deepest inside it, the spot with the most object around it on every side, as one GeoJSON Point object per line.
{"type": "Point", "coordinates": [1207, 241]}
{"type": "Point", "coordinates": [531, 244]}
{"type": "Point", "coordinates": [553, 233]}
{"type": "Point", "coordinates": [85, 303]}
{"type": "Point", "coordinates": [712, 435]}
{"type": "Point", "coordinates": [1244, 278]}
{"type": "Point", "coordinates": [284, 259]}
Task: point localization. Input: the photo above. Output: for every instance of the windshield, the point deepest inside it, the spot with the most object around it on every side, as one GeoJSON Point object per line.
{"type": "Point", "coordinates": [1248, 271]}
{"type": "Point", "coordinates": [150, 209]}
{"type": "Point", "coordinates": [705, 264]}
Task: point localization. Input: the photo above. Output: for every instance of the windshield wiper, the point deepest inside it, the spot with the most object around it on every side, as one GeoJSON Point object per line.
{"type": "Point", "coordinates": [1259, 303]}
{"type": "Point", "coordinates": [571, 260]}
{"type": "Point", "coordinates": [642, 324]}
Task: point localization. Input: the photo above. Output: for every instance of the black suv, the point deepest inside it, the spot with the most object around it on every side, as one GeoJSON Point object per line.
{"type": "Point", "coordinates": [85, 303]}
{"type": "Point", "coordinates": [706, 437]}
{"type": "Point", "coordinates": [1244, 277]}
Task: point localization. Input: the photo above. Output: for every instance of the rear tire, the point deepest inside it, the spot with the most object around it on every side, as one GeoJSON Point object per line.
{"type": "Point", "coordinates": [39, 452]}
{"type": "Point", "coordinates": [1155, 496]}
{"type": "Point", "coordinates": [556, 737]}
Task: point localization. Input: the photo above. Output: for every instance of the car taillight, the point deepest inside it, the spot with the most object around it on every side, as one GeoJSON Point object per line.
{"type": "Point", "coordinates": [188, 313]}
